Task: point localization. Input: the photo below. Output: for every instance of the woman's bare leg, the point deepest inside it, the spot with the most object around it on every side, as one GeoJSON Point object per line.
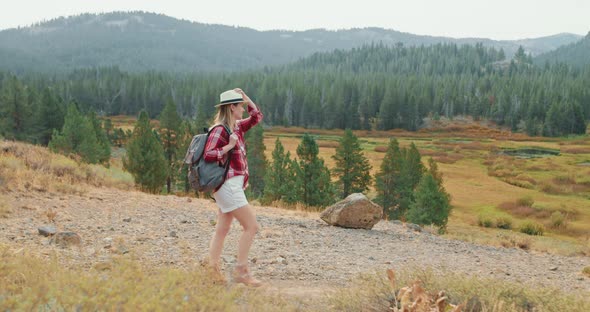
{"type": "Point", "coordinates": [247, 218]}
{"type": "Point", "coordinates": [221, 229]}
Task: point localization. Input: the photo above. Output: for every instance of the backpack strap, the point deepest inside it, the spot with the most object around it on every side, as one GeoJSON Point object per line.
{"type": "Point", "coordinates": [228, 152]}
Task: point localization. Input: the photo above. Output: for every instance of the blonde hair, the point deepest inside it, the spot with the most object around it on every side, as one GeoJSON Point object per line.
{"type": "Point", "coordinates": [224, 116]}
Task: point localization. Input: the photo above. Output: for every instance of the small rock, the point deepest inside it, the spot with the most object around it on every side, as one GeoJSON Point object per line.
{"type": "Point", "coordinates": [189, 200]}
{"type": "Point", "coordinates": [172, 234]}
{"type": "Point", "coordinates": [127, 220]}
{"type": "Point", "coordinates": [414, 227]}
{"type": "Point", "coordinates": [121, 250]}
{"type": "Point", "coordinates": [553, 268]}
{"type": "Point", "coordinates": [47, 230]}
{"type": "Point", "coordinates": [66, 239]}
{"type": "Point", "coordinates": [184, 221]}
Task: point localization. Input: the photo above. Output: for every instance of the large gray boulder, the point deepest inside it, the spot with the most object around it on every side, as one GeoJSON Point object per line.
{"type": "Point", "coordinates": [355, 211]}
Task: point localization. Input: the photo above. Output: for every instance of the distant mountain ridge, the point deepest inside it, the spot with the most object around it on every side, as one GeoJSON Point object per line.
{"type": "Point", "coordinates": [577, 53]}
{"type": "Point", "coordinates": [139, 41]}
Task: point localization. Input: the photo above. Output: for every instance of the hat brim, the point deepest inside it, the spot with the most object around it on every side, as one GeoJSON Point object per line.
{"type": "Point", "coordinates": [230, 102]}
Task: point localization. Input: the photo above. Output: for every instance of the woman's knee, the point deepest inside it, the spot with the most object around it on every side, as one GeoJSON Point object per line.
{"type": "Point", "coordinates": [223, 229]}
{"type": "Point", "coordinates": [251, 227]}
{"type": "Point", "coordinates": [254, 228]}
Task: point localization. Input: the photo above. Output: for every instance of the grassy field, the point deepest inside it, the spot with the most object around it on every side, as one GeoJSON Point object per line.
{"type": "Point", "coordinates": [495, 196]}
{"type": "Point", "coordinates": [507, 192]}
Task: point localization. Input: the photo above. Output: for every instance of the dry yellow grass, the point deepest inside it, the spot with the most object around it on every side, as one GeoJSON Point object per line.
{"type": "Point", "coordinates": [5, 209]}
{"type": "Point", "coordinates": [121, 284]}
{"type": "Point", "coordinates": [422, 290]}
{"type": "Point", "coordinates": [25, 167]}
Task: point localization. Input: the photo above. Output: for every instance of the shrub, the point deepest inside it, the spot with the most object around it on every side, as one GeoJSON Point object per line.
{"type": "Point", "coordinates": [526, 201]}
{"type": "Point", "coordinates": [513, 241]}
{"type": "Point", "coordinates": [504, 223]}
{"type": "Point", "coordinates": [586, 271]}
{"type": "Point", "coordinates": [532, 228]}
{"type": "Point", "coordinates": [485, 221]}
{"type": "Point", "coordinates": [558, 220]}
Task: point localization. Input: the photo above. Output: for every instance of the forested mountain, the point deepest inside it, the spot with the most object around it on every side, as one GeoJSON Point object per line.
{"type": "Point", "coordinates": [139, 41]}
{"type": "Point", "coordinates": [577, 54]}
{"type": "Point", "coordinates": [371, 87]}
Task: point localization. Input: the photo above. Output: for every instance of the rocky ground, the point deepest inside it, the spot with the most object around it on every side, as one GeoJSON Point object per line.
{"type": "Point", "coordinates": [294, 251]}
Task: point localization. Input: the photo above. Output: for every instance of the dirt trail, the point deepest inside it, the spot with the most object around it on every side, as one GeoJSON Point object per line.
{"type": "Point", "coordinates": [296, 252]}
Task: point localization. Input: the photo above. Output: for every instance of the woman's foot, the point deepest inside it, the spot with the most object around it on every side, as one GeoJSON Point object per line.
{"type": "Point", "coordinates": [214, 271]}
{"type": "Point", "coordinates": [242, 275]}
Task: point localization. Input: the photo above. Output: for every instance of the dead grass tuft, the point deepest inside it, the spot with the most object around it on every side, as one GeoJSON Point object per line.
{"type": "Point", "coordinates": [422, 290]}
{"type": "Point", "coordinates": [515, 241]}
{"type": "Point", "coordinates": [449, 159]}
{"type": "Point", "coordinates": [380, 149]}
{"type": "Point", "coordinates": [328, 144]}
{"type": "Point", "coordinates": [5, 209]}
{"type": "Point", "coordinates": [576, 150]}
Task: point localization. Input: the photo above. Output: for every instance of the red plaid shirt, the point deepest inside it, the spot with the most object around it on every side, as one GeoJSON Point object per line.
{"type": "Point", "coordinates": [219, 138]}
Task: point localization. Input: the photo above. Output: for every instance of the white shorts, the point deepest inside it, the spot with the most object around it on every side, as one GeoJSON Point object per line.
{"type": "Point", "coordinates": [230, 195]}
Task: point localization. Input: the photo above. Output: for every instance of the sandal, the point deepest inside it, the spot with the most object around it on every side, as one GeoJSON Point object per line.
{"type": "Point", "coordinates": [242, 275]}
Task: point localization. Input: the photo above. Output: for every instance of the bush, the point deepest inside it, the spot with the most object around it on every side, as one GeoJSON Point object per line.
{"type": "Point", "coordinates": [485, 221]}
{"type": "Point", "coordinates": [513, 241]}
{"type": "Point", "coordinates": [526, 201]}
{"type": "Point", "coordinates": [558, 220]}
{"type": "Point", "coordinates": [586, 271]}
{"type": "Point", "coordinates": [532, 228]}
{"type": "Point", "coordinates": [504, 223]}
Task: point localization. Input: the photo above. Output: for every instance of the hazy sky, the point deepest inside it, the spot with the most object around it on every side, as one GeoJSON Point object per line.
{"type": "Point", "coordinates": [496, 19]}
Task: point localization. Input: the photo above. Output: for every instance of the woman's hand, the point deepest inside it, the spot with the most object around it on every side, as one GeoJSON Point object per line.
{"type": "Point", "coordinates": [233, 139]}
{"type": "Point", "coordinates": [244, 96]}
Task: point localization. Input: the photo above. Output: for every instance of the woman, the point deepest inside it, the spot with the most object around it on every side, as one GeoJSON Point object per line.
{"type": "Point", "coordinates": [229, 197]}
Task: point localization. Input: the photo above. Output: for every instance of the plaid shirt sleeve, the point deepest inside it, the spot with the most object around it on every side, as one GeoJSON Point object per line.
{"type": "Point", "coordinates": [215, 143]}
{"type": "Point", "coordinates": [254, 118]}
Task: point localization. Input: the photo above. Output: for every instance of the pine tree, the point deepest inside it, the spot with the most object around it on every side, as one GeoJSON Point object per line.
{"type": "Point", "coordinates": [49, 116]}
{"type": "Point", "coordinates": [352, 167]}
{"type": "Point", "coordinates": [387, 180]}
{"type": "Point", "coordinates": [184, 139]}
{"type": "Point", "coordinates": [280, 177]}
{"type": "Point", "coordinates": [145, 156]}
{"type": "Point", "coordinates": [77, 136]}
{"type": "Point", "coordinates": [169, 127]}
{"type": "Point", "coordinates": [256, 160]}
{"type": "Point", "coordinates": [431, 205]}
{"type": "Point", "coordinates": [15, 111]}
{"type": "Point", "coordinates": [104, 151]}
{"type": "Point", "coordinates": [410, 175]}
{"type": "Point", "coordinates": [317, 189]}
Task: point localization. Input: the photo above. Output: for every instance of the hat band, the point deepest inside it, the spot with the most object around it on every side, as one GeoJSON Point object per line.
{"type": "Point", "coordinates": [232, 100]}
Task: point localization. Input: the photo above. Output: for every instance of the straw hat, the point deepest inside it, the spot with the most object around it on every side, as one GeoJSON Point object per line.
{"type": "Point", "coordinates": [229, 97]}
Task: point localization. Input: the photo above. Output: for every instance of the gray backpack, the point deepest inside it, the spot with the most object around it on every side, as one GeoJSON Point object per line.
{"type": "Point", "coordinates": [204, 176]}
